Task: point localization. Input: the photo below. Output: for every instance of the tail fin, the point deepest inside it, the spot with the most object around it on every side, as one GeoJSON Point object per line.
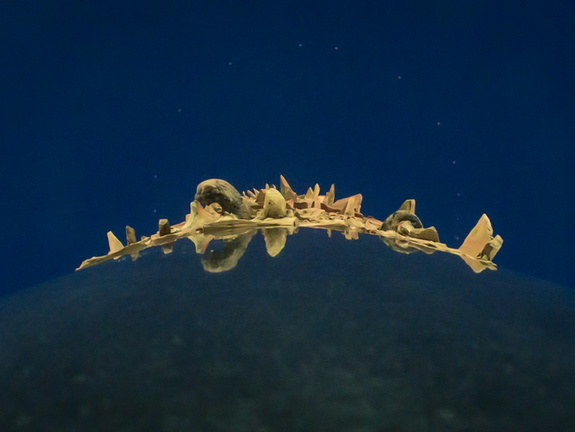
{"type": "Point", "coordinates": [480, 242]}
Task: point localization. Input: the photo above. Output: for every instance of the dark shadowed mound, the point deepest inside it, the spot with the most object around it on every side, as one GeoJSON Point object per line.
{"type": "Point", "coordinates": [330, 335]}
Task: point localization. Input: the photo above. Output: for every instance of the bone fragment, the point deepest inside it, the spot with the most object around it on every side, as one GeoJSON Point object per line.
{"type": "Point", "coordinates": [130, 235]}
{"type": "Point", "coordinates": [164, 227]}
{"type": "Point", "coordinates": [480, 241]}
{"type": "Point", "coordinates": [274, 205]}
{"type": "Point", "coordinates": [113, 242]}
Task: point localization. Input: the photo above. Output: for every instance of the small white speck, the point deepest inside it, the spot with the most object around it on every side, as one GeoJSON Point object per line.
{"type": "Point", "coordinates": [230, 63]}
{"type": "Point", "coordinates": [155, 176]}
{"type": "Point", "coordinates": [300, 45]}
{"type": "Point", "coordinates": [155, 211]}
{"type": "Point", "coordinates": [336, 48]}
{"type": "Point", "coordinates": [179, 110]}
{"type": "Point", "coordinates": [453, 162]}
{"type": "Point", "coordinates": [438, 123]}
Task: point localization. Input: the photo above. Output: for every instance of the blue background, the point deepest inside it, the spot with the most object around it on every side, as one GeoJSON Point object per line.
{"type": "Point", "coordinates": [112, 112]}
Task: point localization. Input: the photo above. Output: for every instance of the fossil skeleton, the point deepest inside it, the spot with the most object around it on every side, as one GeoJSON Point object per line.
{"type": "Point", "coordinates": [220, 212]}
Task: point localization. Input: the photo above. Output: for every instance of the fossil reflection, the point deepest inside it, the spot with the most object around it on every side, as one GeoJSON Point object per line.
{"type": "Point", "coordinates": [220, 212]}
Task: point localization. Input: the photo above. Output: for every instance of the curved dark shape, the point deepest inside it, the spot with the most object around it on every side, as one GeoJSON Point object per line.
{"type": "Point", "coordinates": [331, 335]}
{"type": "Point", "coordinates": [226, 258]}
{"type": "Point", "coordinates": [223, 193]}
{"type": "Point", "coordinates": [393, 220]}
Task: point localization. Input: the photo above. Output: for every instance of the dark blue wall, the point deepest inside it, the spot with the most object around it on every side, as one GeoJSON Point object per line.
{"type": "Point", "coordinates": [112, 112]}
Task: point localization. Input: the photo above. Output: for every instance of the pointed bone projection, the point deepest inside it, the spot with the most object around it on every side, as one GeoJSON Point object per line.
{"type": "Point", "coordinates": [220, 212]}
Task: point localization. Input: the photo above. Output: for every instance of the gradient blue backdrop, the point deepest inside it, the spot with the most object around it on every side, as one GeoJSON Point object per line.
{"type": "Point", "coordinates": [112, 112]}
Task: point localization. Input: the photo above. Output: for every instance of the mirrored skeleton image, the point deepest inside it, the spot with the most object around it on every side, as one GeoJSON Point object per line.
{"type": "Point", "coordinates": [220, 212]}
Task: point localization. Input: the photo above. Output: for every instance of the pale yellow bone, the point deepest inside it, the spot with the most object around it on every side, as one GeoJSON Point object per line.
{"type": "Point", "coordinates": [274, 205]}
{"type": "Point", "coordinates": [286, 189]}
{"type": "Point", "coordinates": [480, 241]}
{"type": "Point", "coordinates": [330, 196]}
{"type": "Point", "coordinates": [275, 239]}
{"type": "Point", "coordinates": [113, 242]}
{"type": "Point", "coordinates": [408, 205]}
